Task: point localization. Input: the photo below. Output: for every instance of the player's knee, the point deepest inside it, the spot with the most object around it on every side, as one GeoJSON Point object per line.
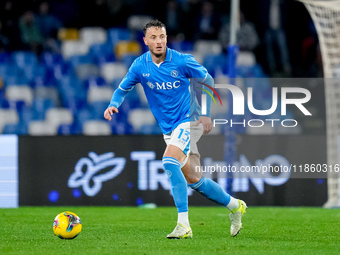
{"type": "Point", "coordinates": [174, 152]}
{"type": "Point", "coordinates": [193, 176]}
{"type": "Point", "coordinates": [192, 179]}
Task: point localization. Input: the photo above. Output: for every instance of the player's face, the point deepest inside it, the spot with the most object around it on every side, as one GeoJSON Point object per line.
{"type": "Point", "coordinates": [155, 38]}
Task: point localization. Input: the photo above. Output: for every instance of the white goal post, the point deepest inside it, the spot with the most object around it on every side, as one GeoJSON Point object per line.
{"type": "Point", "coordinates": [326, 18]}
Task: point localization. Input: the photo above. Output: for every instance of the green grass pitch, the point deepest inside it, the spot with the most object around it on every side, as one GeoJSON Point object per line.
{"type": "Point", "coordinates": [131, 230]}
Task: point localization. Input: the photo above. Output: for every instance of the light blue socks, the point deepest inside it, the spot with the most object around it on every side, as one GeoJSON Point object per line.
{"type": "Point", "coordinates": [211, 190]}
{"type": "Point", "coordinates": [178, 183]}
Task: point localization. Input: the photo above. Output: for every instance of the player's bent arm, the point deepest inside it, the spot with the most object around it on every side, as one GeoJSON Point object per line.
{"type": "Point", "coordinates": [116, 100]}
{"type": "Point", "coordinates": [205, 119]}
{"type": "Point", "coordinates": [200, 76]}
{"type": "Point", "coordinates": [210, 82]}
{"type": "Point", "coordinates": [126, 85]}
{"type": "Point", "coordinates": [205, 84]}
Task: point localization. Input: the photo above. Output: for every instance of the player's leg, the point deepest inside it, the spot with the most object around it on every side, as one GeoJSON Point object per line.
{"type": "Point", "coordinates": [208, 188]}
{"type": "Point", "coordinates": [174, 156]}
{"type": "Point", "coordinates": [172, 160]}
{"type": "Point", "coordinates": [214, 192]}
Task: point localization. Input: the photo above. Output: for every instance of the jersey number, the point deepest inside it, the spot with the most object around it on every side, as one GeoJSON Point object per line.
{"type": "Point", "coordinates": [186, 135]}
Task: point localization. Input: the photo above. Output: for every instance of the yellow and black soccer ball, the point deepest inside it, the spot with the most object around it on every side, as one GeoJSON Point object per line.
{"type": "Point", "coordinates": [67, 225]}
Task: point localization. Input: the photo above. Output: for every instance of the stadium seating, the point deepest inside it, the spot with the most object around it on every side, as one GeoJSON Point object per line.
{"type": "Point", "coordinates": [182, 46]}
{"type": "Point", "coordinates": [97, 109]}
{"type": "Point", "coordinates": [85, 71]}
{"type": "Point", "coordinates": [128, 59]}
{"type": "Point", "coordinates": [245, 58]}
{"type": "Point", "coordinates": [59, 116]}
{"type": "Point", "coordinates": [20, 93]}
{"type": "Point", "coordinates": [141, 95]}
{"type": "Point", "coordinates": [41, 128]}
{"type": "Point", "coordinates": [208, 47]}
{"type": "Point", "coordinates": [136, 22]}
{"type": "Point", "coordinates": [51, 93]}
{"type": "Point", "coordinates": [68, 129]}
{"type": "Point", "coordinates": [198, 56]}
{"type": "Point", "coordinates": [40, 106]}
{"type": "Point", "coordinates": [93, 35]}
{"type": "Point", "coordinates": [118, 34]}
{"type": "Point", "coordinates": [3, 100]}
{"type": "Point", "coordinates": [83, 115]}
{"type": "Point", "coordinates": [56, 72]}
{"type": "Point", "coordinates": [124, 48]}
{"type": "Point", "coordinates": [139, 35]}
{"type": "Point", "coordinates": [65, 34]}
{"type": "Point", "coordinates": [102, 53]}
{"type": "Point", "coordinates": [96, 127]}
{"type": "Point", "coordinates": [16, 128]}
{"type": "Point", "coordinates": [12, 75]}
{"type": "Point", "coordinates": [24, 58]}
{"type": "Point", "coordinates": [110, 71]}
{"type": "Point", "coordinates": [60, 93]}
{"type": "Point", "coordinates": [50, 59]}
{"type": "Point", "coordinates": [122, 128]}
{"type": "Point", "coordinates": [215, 64]}
{"type": "Point", "coordinates": [36, 75]}
{"type": "Point", "coordinates": [8, 116]}
{"type": "Point", "coordinates": [5, 57]}
{"type": "Point", "coordinates": [94, 81]}
{"type": "Point", "coordinates": [140, 117]}
{"type": "Point", "coordinates": [77, 60]}
{"type": "Point", "coordinates": [72, 48]}
{"type": "Point", "coordinates": [150, 129]}
{"type": "Point", "coordinates": [96, 94]}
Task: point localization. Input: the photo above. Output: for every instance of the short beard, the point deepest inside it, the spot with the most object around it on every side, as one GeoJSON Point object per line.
{"type": "Point", "coordinates": [157, 55]}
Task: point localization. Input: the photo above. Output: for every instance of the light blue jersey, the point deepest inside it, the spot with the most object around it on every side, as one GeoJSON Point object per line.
{"type": "Point", "coordinates": [166, 86]}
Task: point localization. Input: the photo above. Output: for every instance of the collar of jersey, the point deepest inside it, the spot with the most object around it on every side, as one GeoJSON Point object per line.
{"type": "Point", "coordinates": [167, 57]}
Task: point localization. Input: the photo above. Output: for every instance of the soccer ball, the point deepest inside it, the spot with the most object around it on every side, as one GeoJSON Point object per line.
{"type": "Point", "coordinates": [67, 225]}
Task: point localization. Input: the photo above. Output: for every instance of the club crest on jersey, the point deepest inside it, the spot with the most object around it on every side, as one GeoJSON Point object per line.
{"type": "Point", "coordinates": [174, 73]}
{"type": "Point", "coordinates": [151, 86]}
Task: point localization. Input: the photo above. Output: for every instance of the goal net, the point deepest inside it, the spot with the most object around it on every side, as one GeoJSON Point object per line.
{"type": "Point", "coordinates": [326, 17]}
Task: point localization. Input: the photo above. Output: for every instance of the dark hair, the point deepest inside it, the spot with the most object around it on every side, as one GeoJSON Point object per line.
{"type": "Point", "coordinates": [153, 23]}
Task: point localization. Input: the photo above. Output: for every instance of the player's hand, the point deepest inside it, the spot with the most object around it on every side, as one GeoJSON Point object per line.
{"type": "Point", "coordinates": [207, 124]}
{"type": "Point", "coordinates": [109, 112]}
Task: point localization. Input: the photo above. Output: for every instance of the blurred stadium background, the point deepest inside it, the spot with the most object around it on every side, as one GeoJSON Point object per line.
{"type": "Point", "coordinates": [61, 60]}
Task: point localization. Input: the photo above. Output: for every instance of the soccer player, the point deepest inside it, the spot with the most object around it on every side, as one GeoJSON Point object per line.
{"type": "Point", "coordinates": [164, 74]}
